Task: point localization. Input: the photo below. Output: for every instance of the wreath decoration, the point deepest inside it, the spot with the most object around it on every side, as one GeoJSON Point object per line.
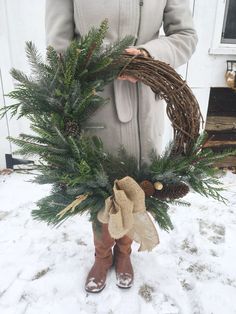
{"type": "Point", "coordinates": [62, 93]}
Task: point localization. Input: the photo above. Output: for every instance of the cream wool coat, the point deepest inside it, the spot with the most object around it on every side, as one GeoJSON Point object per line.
{"type": "Point", "coordinates": [133, 117]}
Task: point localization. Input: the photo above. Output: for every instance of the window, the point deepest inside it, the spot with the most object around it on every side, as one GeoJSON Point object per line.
{"type": "Point", "coordinates": [224, 37]}
{"type": "Point", "coordinates": [229, 26]}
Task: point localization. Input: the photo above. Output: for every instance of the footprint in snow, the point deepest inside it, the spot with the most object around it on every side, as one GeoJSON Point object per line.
{"type": "Point", "coordinates": [189, 247]}
{"type": "Point", "coordinates": [146, 292]}
{"type": "Point", "coordinates": [164, 304]}
{"type": "Point", "coordinates": [3, 214]}
{"type": "Point", "coordinates": [213, 232]}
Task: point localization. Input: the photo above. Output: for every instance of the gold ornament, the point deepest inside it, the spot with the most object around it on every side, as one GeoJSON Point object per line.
{"type": "Point", "coordinates": [158, 185]}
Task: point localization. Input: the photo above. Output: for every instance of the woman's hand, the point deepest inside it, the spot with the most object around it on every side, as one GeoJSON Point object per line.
{"type": "Point", "coordinates": [132, 51]}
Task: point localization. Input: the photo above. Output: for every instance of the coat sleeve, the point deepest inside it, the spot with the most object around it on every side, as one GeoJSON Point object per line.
{"type": "Point", "coordinates": [181, 39]}
{"type": "Point", "coordinates": [59, 23]}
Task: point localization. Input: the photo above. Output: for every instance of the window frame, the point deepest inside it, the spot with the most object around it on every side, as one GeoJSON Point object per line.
{"type": "Point", "coordinates": [217, 47]}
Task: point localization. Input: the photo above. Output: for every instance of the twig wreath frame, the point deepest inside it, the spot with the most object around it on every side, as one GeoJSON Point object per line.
{"type": "Point", "coordinates": [182, 106]}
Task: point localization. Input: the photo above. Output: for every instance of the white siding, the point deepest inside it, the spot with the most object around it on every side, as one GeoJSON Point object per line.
{"type": "Point", "coordinates": [206, 70]}
{"type": "Point", "coordinates": [4, 144]}
{"type": "Point", "coordinates": [20, 21]}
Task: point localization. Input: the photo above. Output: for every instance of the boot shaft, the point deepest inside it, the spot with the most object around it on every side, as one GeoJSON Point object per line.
{"type": "Point", "coordinates": [103, 242]}
{"type": "Point", "coordinates": [123, 246]}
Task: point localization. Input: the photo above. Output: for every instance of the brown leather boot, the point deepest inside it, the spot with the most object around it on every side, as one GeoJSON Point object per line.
{"type": "Point", "coordinates": [103, 242]}
{"type": "Point", "coordinates": [123, 266]}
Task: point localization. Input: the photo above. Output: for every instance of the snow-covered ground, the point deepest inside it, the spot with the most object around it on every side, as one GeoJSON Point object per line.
{"type": "Point", "coordinates": [43, 269]}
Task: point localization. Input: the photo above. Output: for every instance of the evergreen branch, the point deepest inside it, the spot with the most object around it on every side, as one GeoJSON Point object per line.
{"type": "Point", "coordinates": [159, 209]}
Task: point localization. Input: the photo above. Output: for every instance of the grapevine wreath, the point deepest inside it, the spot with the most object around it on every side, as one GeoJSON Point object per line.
{"type": "Point", "coordinates": [62, 93]}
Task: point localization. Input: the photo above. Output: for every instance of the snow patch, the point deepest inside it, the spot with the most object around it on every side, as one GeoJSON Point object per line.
{"type": "Point", "coordinates": [43, 269]}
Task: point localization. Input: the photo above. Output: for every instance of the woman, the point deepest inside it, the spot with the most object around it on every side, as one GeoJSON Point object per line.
{"type": "Point", "coordinates": [134, 117]}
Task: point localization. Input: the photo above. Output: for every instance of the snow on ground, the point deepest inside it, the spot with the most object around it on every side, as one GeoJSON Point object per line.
{"type": "Point", "coordinates": [43, 269]}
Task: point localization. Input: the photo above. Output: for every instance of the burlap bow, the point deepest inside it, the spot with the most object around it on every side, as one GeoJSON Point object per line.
{"type": "Point", "coordinates": [126, 214]}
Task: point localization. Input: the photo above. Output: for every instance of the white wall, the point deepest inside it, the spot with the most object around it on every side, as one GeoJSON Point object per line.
{"type": "Point", "coordinates": [206, 70]}
{"type": "Point", "coordinates": [20, 21]}
{"type": "Point", "coordinates": [4, 132]}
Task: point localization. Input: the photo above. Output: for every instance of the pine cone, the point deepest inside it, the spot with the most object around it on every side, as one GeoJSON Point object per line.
{"type": "Point", "coordinates": [62, 186]}
{"type": "Point", "coordinates": [148, 187]}
{"type": "Point", "coordinates": [72, 128]}
{"type": "Point", "coordinates": [172, 191]}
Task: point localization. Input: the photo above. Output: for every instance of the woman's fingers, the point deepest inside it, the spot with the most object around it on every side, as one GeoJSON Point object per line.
{"type": "Point", "coordinates": [128, 78]}
{"type": "Point", "coordinates": [133, 51]}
